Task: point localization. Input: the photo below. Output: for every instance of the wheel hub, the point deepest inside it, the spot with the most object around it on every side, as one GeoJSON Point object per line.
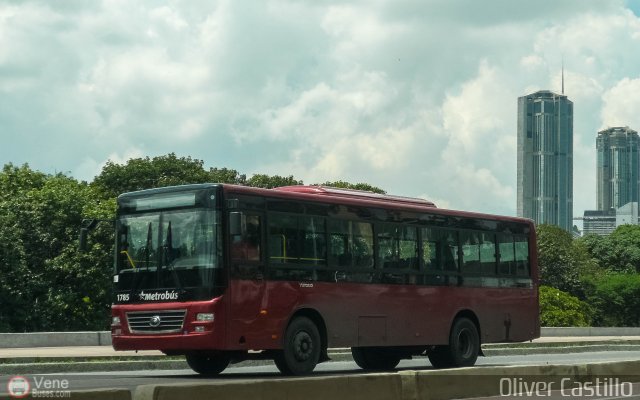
{"type": "Point", "coordinates": [303, 346]}
{"type": "Point", "coordinates": [464, 343]}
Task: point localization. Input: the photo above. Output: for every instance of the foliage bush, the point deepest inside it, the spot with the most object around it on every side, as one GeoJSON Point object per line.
{"type": "Point", "coordinates": [558, 308]}
{"type": "Point", "coordinates": [615, 298]}
{"type": "Point", "coordinates": [561, 260]}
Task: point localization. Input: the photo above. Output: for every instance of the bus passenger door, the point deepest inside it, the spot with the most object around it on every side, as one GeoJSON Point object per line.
{"type": "Point", "coordinates": [247, 283]}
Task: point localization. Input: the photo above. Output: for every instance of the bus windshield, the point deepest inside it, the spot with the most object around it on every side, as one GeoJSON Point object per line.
{"type": "Point", "coordinates": [178, 249]}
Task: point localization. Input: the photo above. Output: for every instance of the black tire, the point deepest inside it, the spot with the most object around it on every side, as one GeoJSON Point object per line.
{"type": "Point", "coordinates": [301, 348]}
{"type": "Point", "coordinates": [208, 364]}
{"type": "Point", "coordinates": [463, 348]}
{"type": "Point", "coordinates": [439, 357]}
{"type": "Point", "coordinates": [375, 358]}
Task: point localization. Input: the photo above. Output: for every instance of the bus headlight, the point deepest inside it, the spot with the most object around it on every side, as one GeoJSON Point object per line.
{"type": "Point", "coordinates": [115, 321]}
{"type": "Point", "coordinates": [204, 317]}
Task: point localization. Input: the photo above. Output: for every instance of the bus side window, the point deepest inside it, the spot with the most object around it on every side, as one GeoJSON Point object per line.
{"type": "Point", "coordinates": [430, 249]}
{"type": "Point", "coordinates": [470, 253]}
{"type": "Point", "coordinates": [387, 246]}
{"type": "Point", "coordinates": [409, 248]}
{"type": "Point", "coordinates": [507, 255]}
{"type": "Point", "coordinates": [283, 239]}
{"type": "Point", "coordinates": [248, 247]}
{"type": "Point", "coordinates": [398, 246]}
{"type": "Point", "coordinates": [339, 246]}
{"type": "Point", "coordinates": [362, 244]}
{"type": "Point", "coordinates": [351, 244]}
{"type": "Point", "coordinates": [450, 250]}
{"type": "Point", "coordinates": [488, 254]}
{"type": "Point", "coordinates": [314, 246]}
{"type": "Point", "coordinates": [430, 255]}
{"type": "Point", "coordinates": [521, 256]}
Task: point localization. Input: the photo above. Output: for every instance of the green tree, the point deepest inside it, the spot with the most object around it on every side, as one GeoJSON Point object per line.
{"type": "Point", "coordinates": [559, 260]}
{"type": "Point", "coordinates": [14, 292]}
{"type": "Point", "coordinates": [356, 186]}
{"type": "Point", "coordinates": [44, 286]}
{"type": "Point", "coordinates": [617, 252]}
{"type": "Point", "coordinates": [558, 308]}
{"type": "Point", "coordinates": [270, 182]}
{"type": "Point", "coordinates": [161, 171]}
{"type": "Point", "coordinates": [615, 298]}
{"type": "Point", "coordinates": [20, 251]}
{"type": "Point", "coordinates": [597, 246]}
{"type": "Point", "coordinates": [623, 253]}
{"type": "Point", "coordinates": [225, 175]}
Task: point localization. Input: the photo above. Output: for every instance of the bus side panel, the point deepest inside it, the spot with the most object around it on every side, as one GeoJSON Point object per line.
{"type": "Point", "coordinates": [247, 324]}
{"type": "Point", "coordinates": [505, 314]}
{"type": "Point", "coordinates": [380, 315]}
{"type": "Point", "coordinates": [366, 314]}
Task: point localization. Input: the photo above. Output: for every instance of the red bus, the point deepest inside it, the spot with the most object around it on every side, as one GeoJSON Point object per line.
{"type": "Point", "coordinates": [223, 273]}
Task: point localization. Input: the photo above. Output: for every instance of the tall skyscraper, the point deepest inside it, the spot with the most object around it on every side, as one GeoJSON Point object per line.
{"type": "Point", "coordinates": [545, 158]}
{"type": "Point", "coordinates": [618, 167]}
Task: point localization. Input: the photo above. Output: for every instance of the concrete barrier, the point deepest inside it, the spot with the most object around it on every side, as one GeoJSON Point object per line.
{"type": "Point", "coordinates": [589, 331]}
{"type": "Point", "coordinates": [352, 387]}
{"type": "Point", "coordinates": [517, 381]}
{"type": "Point", "coordinates": [54, 339]}
{"type": "Point", "coordinates": [407, 385]}
{"type": "Point", "coordinates": [103, 338]}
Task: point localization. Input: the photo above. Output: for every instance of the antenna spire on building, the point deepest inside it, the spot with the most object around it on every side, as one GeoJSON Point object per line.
{"type": "Point", "coordinates": [563, 75]}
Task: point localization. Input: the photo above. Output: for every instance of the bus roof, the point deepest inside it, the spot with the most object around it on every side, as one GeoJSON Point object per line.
{"type": "Point", "coordinates": [358, 194]}
{"type": "Point", "coordinates": [332, 195]}
{"type": "Point", "coordinates": [362, 198]}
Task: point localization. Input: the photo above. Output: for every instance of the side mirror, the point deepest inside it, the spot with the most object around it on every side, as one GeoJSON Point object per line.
{"type": "Point", "coordinates": [237, 225]}
{"type": "Point", "coordinates": [87, 225]}
{"type": "Point", "coordinates": [82, 240]}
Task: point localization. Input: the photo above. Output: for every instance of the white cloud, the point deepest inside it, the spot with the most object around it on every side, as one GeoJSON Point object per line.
{"type": "Point", "coordinates": [622, 105]}
{"type": "Point", "coordinates": [415, 97]}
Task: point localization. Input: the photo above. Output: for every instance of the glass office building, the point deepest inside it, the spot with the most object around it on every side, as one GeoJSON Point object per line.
{"type": "Point", "coordinates": [618, 168]}
{"type": "Point", "coordinates": [545, 158]}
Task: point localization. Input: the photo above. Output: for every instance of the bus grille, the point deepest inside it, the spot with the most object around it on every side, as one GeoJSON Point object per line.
{"type": "Point", "coordinates": [165, 321]}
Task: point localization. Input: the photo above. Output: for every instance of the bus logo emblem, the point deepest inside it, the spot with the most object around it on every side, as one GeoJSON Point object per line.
{"type": "Point", "coordinates": [154, 322]}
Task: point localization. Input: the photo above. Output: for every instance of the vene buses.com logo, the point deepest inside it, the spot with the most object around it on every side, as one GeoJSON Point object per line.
{"type": "Point", "coordinates": [18, 387]}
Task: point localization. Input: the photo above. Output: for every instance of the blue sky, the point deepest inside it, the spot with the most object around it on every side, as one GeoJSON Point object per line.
{"type": "Point", "coordinates": [417, 97]}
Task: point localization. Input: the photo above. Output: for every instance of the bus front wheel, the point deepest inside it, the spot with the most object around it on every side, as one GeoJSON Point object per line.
{"type": "Point", "coordinates": [463, 348]}
{"type": "Point", "coordinates": [208, 364]}
{"type": "Point", "coordinates": [302, 348]}
{"type": "Point", "coordinates": [375, 358]}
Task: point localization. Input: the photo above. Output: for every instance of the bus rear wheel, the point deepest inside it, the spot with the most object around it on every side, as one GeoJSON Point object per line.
{"type": "Point", "coordinates": [208, 364]}
{"type": "Point", "coordinates": [302, 348]}
{"type": "Point", "coordinates": [463, 348]}
{"type": "Point", "coordinates": [375, 358]}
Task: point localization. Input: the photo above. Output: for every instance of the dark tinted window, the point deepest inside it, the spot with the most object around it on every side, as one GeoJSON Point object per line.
{"type": "Point", "coordinates": [314, 245]}
{"type": "Point", "coordinates": [397, 246]}
{"type": "Point", "coordinates": [521, 256]}
{"type": "Point", "coordinates": [439, 249]}
{"type": "Point", "coordinates": [283, 239]}
{"type": "Point", "coordinates": [351, 244]}
{"type": "Point", "coordinates": [297, 239]}
{"type": "Point", "coordinates": [248, 246]}
{"type": "Point", "coordinates": [507, 255]}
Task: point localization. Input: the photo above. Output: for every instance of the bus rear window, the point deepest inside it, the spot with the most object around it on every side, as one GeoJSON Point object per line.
{"type": "Point", "coordinates": [514, 255]}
